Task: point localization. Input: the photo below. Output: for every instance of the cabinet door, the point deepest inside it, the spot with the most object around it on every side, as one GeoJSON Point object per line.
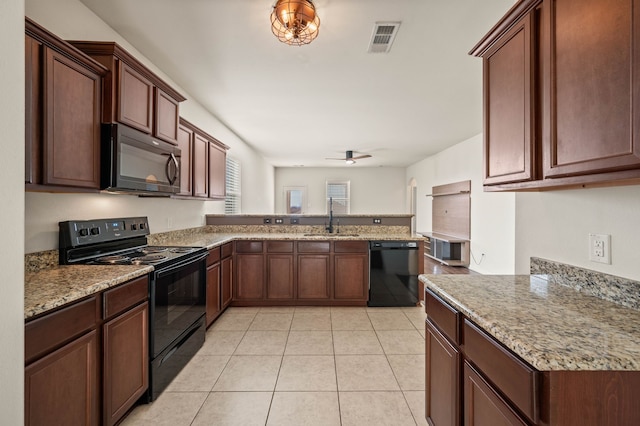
{"type": "Point", "coordinates": [200, 164]}
{"type": "Point", "coordinates": [165, 126]}
{"type": "Point", "coordinates": [591, 86]}
{"type": "Point", "coordinates": [217, 171]}
{"type": "Point", "coordinates": [442, 379]}
{"type": "Point", "coordinates": [126, 362]}
{"type": "Point", "coordinates": [71, 133]}
{"type": "Point", "coordinates": [483, 406]}
{"type": "Point", "coordinates": [33, 110]}
{"type": "Point", "coordinates": [351, 276]}
{"type": "Point", "coordinates": [227, 281]}
{"type": "Point", "coordinates": [185, 143]}
{"type": "Point", "coordinates": [135, 99]}
{"type": "Point", "coordinates": [509, 135]}
{"type": "Point", "coordinates": [280, 284]}
{"type": "Point", "coordinates": [249, 277]}
{"type": "Point", "coordinates": [213, 293]}
{"type": "Point", "coordinates": [64, 385]}
{"type": "Point", "coordinates": [313, 276]}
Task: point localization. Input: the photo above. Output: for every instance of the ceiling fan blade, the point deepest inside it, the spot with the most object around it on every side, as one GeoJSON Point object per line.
{"type": "Point", "coordinates": [361, 156]}
{"type": "Point", "coordinates": [341, 159]}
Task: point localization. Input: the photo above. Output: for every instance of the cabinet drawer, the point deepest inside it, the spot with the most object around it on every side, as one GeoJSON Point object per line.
{"type": "Point", "coordinates": [125, 296]}
{"type": "Point", "coordinates": [214, 256]}
{"type": "Point", "coordinates": [280, 246]}
{"type": "Point", "coordinates": [227, 250]}
{"type": "Point", "coordinates": [314, 247]}
{"type": "Point", "coordinates": [351, 246]}
{"type": "Point", "coordinates": [248, 246]}
{"type": "Point", "coordinates": [517, 381]}
{"type": "Point", "coordinates": [444, 316]}
{"type": "Point", "coordinates": [50, 331]}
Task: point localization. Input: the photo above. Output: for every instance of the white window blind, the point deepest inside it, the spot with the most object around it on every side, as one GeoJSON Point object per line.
{"type": "Point", "coordinates": [339, 192]}
{"type": "Point", "coordinates": [233, 198]}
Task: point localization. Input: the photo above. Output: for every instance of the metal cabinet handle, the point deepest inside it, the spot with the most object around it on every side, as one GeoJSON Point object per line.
{"type": "Point", "coordinates": [172, 158]}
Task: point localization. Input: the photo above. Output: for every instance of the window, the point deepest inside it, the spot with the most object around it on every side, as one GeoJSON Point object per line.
{"type": "Point", "coordinates": [295, 199]}
{"type": "Point", "coordinates": [232, 201]}
{"type": "Point", "coordinates": [339, 192]}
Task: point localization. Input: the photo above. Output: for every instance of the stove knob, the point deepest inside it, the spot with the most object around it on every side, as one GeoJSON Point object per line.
{"type": "Point", "coordinates": [134, 226]}
{"type": "Point", "coordinates": [84, 232]}
{"type": "Point", "coordinates": [142, 226]}
{"type": "Point", "coordinates": [95, 231]}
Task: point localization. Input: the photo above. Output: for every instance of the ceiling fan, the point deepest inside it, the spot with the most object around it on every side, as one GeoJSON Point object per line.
{"type": "Point", "coordinates": [349, 158]}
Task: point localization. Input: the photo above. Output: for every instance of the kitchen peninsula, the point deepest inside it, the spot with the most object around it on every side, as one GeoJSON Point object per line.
{"type": "Point", "coordinates": [530, 349]}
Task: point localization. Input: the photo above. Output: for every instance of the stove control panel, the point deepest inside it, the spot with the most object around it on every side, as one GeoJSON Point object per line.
{"type": "Point", "coordinates": [76, 233]}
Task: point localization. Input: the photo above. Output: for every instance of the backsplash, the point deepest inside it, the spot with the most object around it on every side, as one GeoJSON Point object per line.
{"type": "Point", "coordinates": [618, 290]}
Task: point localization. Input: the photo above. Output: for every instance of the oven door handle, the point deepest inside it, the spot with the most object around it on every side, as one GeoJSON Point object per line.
{"type": "Point", "coordinates": [177, 266]}
{"type": "Point", "coordinates": [173, 350]}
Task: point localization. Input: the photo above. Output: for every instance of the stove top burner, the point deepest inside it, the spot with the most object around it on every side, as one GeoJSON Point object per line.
{"type": "Point", "coordinates": [149, 258]}
{"type": "Point", "coordinates": [181, 249]}
{"type": "Point", "coordinates": [151, 250]}
{"type": "Point", "coordinates": [113, 260]}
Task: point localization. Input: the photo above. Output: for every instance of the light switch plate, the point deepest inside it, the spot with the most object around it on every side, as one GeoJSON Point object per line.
{"type": "Point", "coordinates": [600, 248]}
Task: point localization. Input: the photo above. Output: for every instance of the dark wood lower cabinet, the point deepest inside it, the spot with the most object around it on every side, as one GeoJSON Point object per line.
{"type": "Point", "coordinates": [351, 276]}
{"type": "Point", "coordinates": [75, 377]}
{"type": "Point", "coordinates": [313, 277]}
{"type": "Point", "coordinates": [62, 387]}
{"type": "Point", "coordinates": [442, 378]}
{"type": "Point", "coordinates": [314, 272]}
{"type": "Point", "coordinates": [280, 278]}
{"type": "Point", "coordinates": [213, 304]}
{"type": "Point", "coordinates": [482, 404]}
{"type": "Point", "coordinates": [227, 280]}
{"type": "Point", "coordinates": [126, 362]}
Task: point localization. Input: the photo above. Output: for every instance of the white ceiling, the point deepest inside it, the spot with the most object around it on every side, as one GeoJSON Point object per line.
{"type": "Point", "coordinates": [298, 105]}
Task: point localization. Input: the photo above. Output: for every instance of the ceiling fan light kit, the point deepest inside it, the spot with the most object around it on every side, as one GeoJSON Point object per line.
{"type": "Point", "coordinates": [295, 22]}
{"type": "Point", "coordinates": [349, 158]}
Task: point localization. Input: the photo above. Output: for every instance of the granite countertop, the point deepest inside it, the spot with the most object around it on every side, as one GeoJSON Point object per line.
{"type": "Point", "coordinates": [52, 287]}
{"type": "Point", "coordinates": [550, 326]}
{"type": "Point", "coordinates": [55, 287]}
{"type": "Point", "coordinates": [211, 240]}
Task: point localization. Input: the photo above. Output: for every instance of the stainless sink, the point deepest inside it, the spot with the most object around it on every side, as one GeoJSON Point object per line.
{"type": "Point", "coordinates": [330, 235]}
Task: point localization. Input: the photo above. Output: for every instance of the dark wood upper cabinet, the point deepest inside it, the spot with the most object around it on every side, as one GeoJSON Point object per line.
{"type": "Point", "coordinates": [63, 89]}
{"type": "Point", "coordinates": [508, 105]}
{"type": "Point", "coordinates": [591, 99]}
{"type": "Point", "coordinates": [207, 158]}
{"type": "Point", "coordinates": [134, 95]}
{"type": "Point", "coordinates": [561, 87]}
{"type": "Point", "coordinates": [135, 99]}
{"type": "Point", "coordinates": [185, 143]}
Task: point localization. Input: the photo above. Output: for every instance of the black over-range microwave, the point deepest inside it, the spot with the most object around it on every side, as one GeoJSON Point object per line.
{"type": "Point", "coordinates": [136, 162]}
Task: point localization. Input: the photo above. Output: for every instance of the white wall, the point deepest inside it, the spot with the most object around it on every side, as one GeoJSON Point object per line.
{"type": "Point", "coordinates": [555, 225]}
{"type": "Point", "coordinates": [12, 212]}
{"type": "Point", "coordinates": [70, 19]}
{"type": "Point", "coordinates": [492, 214]}
{"type": "Point", "coordinates": [374, 190]}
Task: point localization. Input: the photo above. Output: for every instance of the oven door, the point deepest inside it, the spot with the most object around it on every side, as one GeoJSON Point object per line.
{"type": "Point", "coordinates": [136, 162]}
{"type": "Point", "coordinates": [177, 301]}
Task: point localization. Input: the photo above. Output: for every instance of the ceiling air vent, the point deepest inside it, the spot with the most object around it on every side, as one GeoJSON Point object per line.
{"type": "Point", "coordinates": [383, 35]}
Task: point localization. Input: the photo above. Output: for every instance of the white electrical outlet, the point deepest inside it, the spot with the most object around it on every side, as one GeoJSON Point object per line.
{"type": "Point", "coordinates": [600, 248]}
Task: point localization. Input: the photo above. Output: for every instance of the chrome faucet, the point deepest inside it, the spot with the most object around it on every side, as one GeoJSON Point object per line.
{"type": "Point", "coordinates": [330, 227]}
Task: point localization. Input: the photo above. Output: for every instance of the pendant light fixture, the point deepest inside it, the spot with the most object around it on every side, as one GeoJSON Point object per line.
{"type": "Point", "coordinates": [295, 22]}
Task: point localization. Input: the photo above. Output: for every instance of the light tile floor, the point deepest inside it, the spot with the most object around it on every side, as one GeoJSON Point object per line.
{"type": "Point", "coordinates": [300, 366]}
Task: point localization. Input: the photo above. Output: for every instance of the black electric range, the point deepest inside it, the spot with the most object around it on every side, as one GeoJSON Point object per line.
{"type": "Point", "coordinates": [177, 286]}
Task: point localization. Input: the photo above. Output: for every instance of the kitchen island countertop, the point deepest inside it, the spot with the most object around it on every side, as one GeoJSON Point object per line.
{"type": "Point", "coordinates": [550, 326]}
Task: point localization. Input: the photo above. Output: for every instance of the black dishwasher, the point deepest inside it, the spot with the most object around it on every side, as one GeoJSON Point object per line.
{"type": "Point", "coordinates": [393, 273]}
